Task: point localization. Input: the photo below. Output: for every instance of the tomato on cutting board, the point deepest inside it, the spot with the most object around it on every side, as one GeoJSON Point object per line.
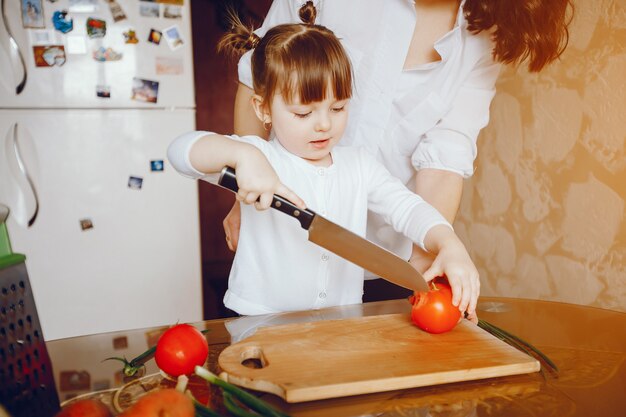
{"type": "Point", "coordinates": [433, 311]}
{"type": "Point", "coordinates": [180, 349]}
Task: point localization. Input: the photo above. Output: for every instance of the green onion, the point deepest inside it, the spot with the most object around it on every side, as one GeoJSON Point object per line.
{"type": "Point", "coordinates": [204, 411]}
{"type": "Point", "coordinates": [232, 407]}
{"type": "Point", "coordinates": [131, 368]}
{"type": "Point", "coordinates": [245, 397]}
{"type": "Point", "coordinates": [519, 344]}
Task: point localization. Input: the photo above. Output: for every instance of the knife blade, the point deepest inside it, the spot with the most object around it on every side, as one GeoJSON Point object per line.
{"type": "Point", "coordinates": [342, 241]}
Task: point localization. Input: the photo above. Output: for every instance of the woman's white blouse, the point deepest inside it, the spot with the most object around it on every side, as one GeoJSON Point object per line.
{"type": "Point", "coordinates": [435, 123]}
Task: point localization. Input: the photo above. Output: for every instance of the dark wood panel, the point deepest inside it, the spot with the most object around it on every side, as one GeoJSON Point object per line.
{"type": "Point", "coordinates": [215, 78]}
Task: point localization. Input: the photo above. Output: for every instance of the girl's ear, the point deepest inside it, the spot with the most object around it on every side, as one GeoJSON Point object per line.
{"type": "Point", "coordinates": [261, 110]}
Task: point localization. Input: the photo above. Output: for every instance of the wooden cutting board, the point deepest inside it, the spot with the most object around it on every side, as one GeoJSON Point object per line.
{"type": "Point", "coordinates": [337, 358]}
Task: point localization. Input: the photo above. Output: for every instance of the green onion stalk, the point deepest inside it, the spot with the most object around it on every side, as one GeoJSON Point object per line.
{"type": "Point", "coordinates": [519, 344]}
{"type": "Point", "coordinates": [251, 401]}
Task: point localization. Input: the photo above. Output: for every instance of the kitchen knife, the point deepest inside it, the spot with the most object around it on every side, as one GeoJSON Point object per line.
{"type": "Point", "coordinates": [343, 242]}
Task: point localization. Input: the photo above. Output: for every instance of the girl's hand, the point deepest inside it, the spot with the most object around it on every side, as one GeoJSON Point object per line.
{"type": "Point", "coordinates": [454, 262]}
{"type": "Point", "coordinates": [258, 182]}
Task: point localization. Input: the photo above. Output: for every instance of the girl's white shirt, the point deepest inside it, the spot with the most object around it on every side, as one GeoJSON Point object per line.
{"type": "Point", "coordinates": [275, 267]}
{"type": "Point", "coordinates": [435, 123]}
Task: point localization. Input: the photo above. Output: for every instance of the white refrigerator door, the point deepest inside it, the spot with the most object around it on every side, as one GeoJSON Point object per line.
{"type": "Point", "coordinates": [74, 84]}
{"type": "Point", "coordinates": [139, 265]}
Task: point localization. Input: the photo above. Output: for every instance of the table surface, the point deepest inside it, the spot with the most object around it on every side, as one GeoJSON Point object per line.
{"type": "Point", "coordinates": [587, 344]}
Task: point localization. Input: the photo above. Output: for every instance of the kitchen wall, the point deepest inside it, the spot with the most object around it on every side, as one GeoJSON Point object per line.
{"type": "Point", "coordinates": [543, 215]}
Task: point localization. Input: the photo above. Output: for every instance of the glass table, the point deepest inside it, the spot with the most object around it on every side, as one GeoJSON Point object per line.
{"type": "Point", "coordinates": [587, 344]}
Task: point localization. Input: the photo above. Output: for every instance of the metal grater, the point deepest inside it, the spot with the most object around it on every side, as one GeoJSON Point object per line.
{"type": "Point", "coordinates": [27, 386]}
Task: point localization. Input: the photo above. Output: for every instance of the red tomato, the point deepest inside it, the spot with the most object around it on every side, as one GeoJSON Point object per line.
{"type": "Point", "coordinates": [162, 402]}
{"type": "Point", "coordinates": [180, 349]}
{"type": "Point", "coordinates": [85, 408]}
{"type": "Point", "coordinates": [433, 311]}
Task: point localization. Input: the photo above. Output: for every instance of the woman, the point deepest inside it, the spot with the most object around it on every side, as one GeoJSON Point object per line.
{"type": "Point", "coordinates": [425, 76]}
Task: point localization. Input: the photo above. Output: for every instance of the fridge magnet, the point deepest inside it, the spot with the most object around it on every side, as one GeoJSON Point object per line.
{"type": "Point", "coordinates": [49, 55]}
{"type": "Point", "coordinates": [74, 380]}
{"type": "Point", "coordinates": [148, 9]}
{"type": "Point", "coordinates": [76, 44]}
{"type": "Point", "coordinates": [168, 66]}
{"type": "Point", "coordinates": [120, 342]}
{"type": "Point", "coordinates": [103, 91]}
{"type": "Point", "coordinates": [172, 12]}
{"type": "Point", "coordinates": [96, 28]}
{"type": "Point", "coordinates": [155, 36]}
{"type": "Point", "coordinates": [86, 224]}
{"type": "Point", "coordinates": [32, 14]}
{"type": "Point", "coordinates": [135, 183]}
{"type": "Point", "coordinates": [174, 2]}
{"type": "Point", "coordinates": [103, 54]}
{"type": "Point", "coordinates": [83, 6]}
{"type": "Point", "coordinates": [116, 11]}
{"type": "Point", "coordinates": [61, 22]}
{"type": "Point", "coordinates": [42, 37]}
{"type": "Point", "coordinates": [130, 36]}
{"type": "Point", "coordinates": [145, 90]}
{"type": "Point", "coordinates": [156, 165]}
{"type": "Point", "coordinates": [173, 37]}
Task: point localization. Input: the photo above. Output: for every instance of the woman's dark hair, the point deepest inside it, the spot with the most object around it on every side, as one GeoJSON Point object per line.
{"type": "Point", "coordinates": [293, 59]}
{"type": "Point", "coordinates": [533, 30]}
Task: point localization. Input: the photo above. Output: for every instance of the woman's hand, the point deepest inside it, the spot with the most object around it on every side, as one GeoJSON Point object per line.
{"type": "Point", "coordinates": [232, 224]}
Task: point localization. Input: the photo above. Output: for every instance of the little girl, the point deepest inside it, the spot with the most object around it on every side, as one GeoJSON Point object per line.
{"type": "Point", "coordinates": [303, 83]}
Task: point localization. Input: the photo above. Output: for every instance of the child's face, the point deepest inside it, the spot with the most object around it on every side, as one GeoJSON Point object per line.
{"type": "Point", "coordinates": [310, 131]}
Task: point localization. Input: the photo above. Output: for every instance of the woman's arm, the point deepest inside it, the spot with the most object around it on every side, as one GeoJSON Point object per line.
{"type": "Point", "coordinates": [246, 121]}
{"type": "Point", "coordinates": [429, 184]}
{"type": "Point", "coordinates": [445, 156]}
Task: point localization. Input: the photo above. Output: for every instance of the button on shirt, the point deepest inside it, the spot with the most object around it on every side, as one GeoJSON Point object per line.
{"type": "Point", "coordinates": [276, 268]}
{"type": "Point", "coordinates": [433, 124]}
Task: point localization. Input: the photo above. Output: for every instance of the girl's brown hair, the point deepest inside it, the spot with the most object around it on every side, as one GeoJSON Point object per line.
{"type": "Point", "coordinates": [533, 30]}
{"type": "Point", "coordinates": [299, 61]}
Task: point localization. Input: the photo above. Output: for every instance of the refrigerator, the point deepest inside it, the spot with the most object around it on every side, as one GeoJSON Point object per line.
{"type": "Point", "coordinates": [91, 94]}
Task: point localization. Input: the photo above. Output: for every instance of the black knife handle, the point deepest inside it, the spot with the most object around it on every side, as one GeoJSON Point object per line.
{"type": "Point", "coordinates": [228, 180]}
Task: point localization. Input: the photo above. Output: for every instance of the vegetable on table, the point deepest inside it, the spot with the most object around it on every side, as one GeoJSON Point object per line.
{"type": "Point", "coordinates": [433, 311]}
{"type": "Point", "coordinates": [180, 349]}
{"type": "Point", "coordinates": [520, 344]}
{"type": "Point", "coordinates": [244, 397]}
{"type": "Point", "coordinates": [134, 365]}
{"type": "Point", "coordinates": [162, 402]}
{"type": "Point", "coordinates": [85, 408]}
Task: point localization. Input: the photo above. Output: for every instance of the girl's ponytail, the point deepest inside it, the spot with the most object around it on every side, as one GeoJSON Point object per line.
{"type": "Point", "coordinates": [308, 13]}
{"type": "Point", "coordinates": [239, 39]}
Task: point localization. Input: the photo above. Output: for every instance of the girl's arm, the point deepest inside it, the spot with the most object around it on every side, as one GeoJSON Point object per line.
{"type": "Point", "coordinates": [197, 154]}
{"type": "Point", "coordinates": [410, 215]}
